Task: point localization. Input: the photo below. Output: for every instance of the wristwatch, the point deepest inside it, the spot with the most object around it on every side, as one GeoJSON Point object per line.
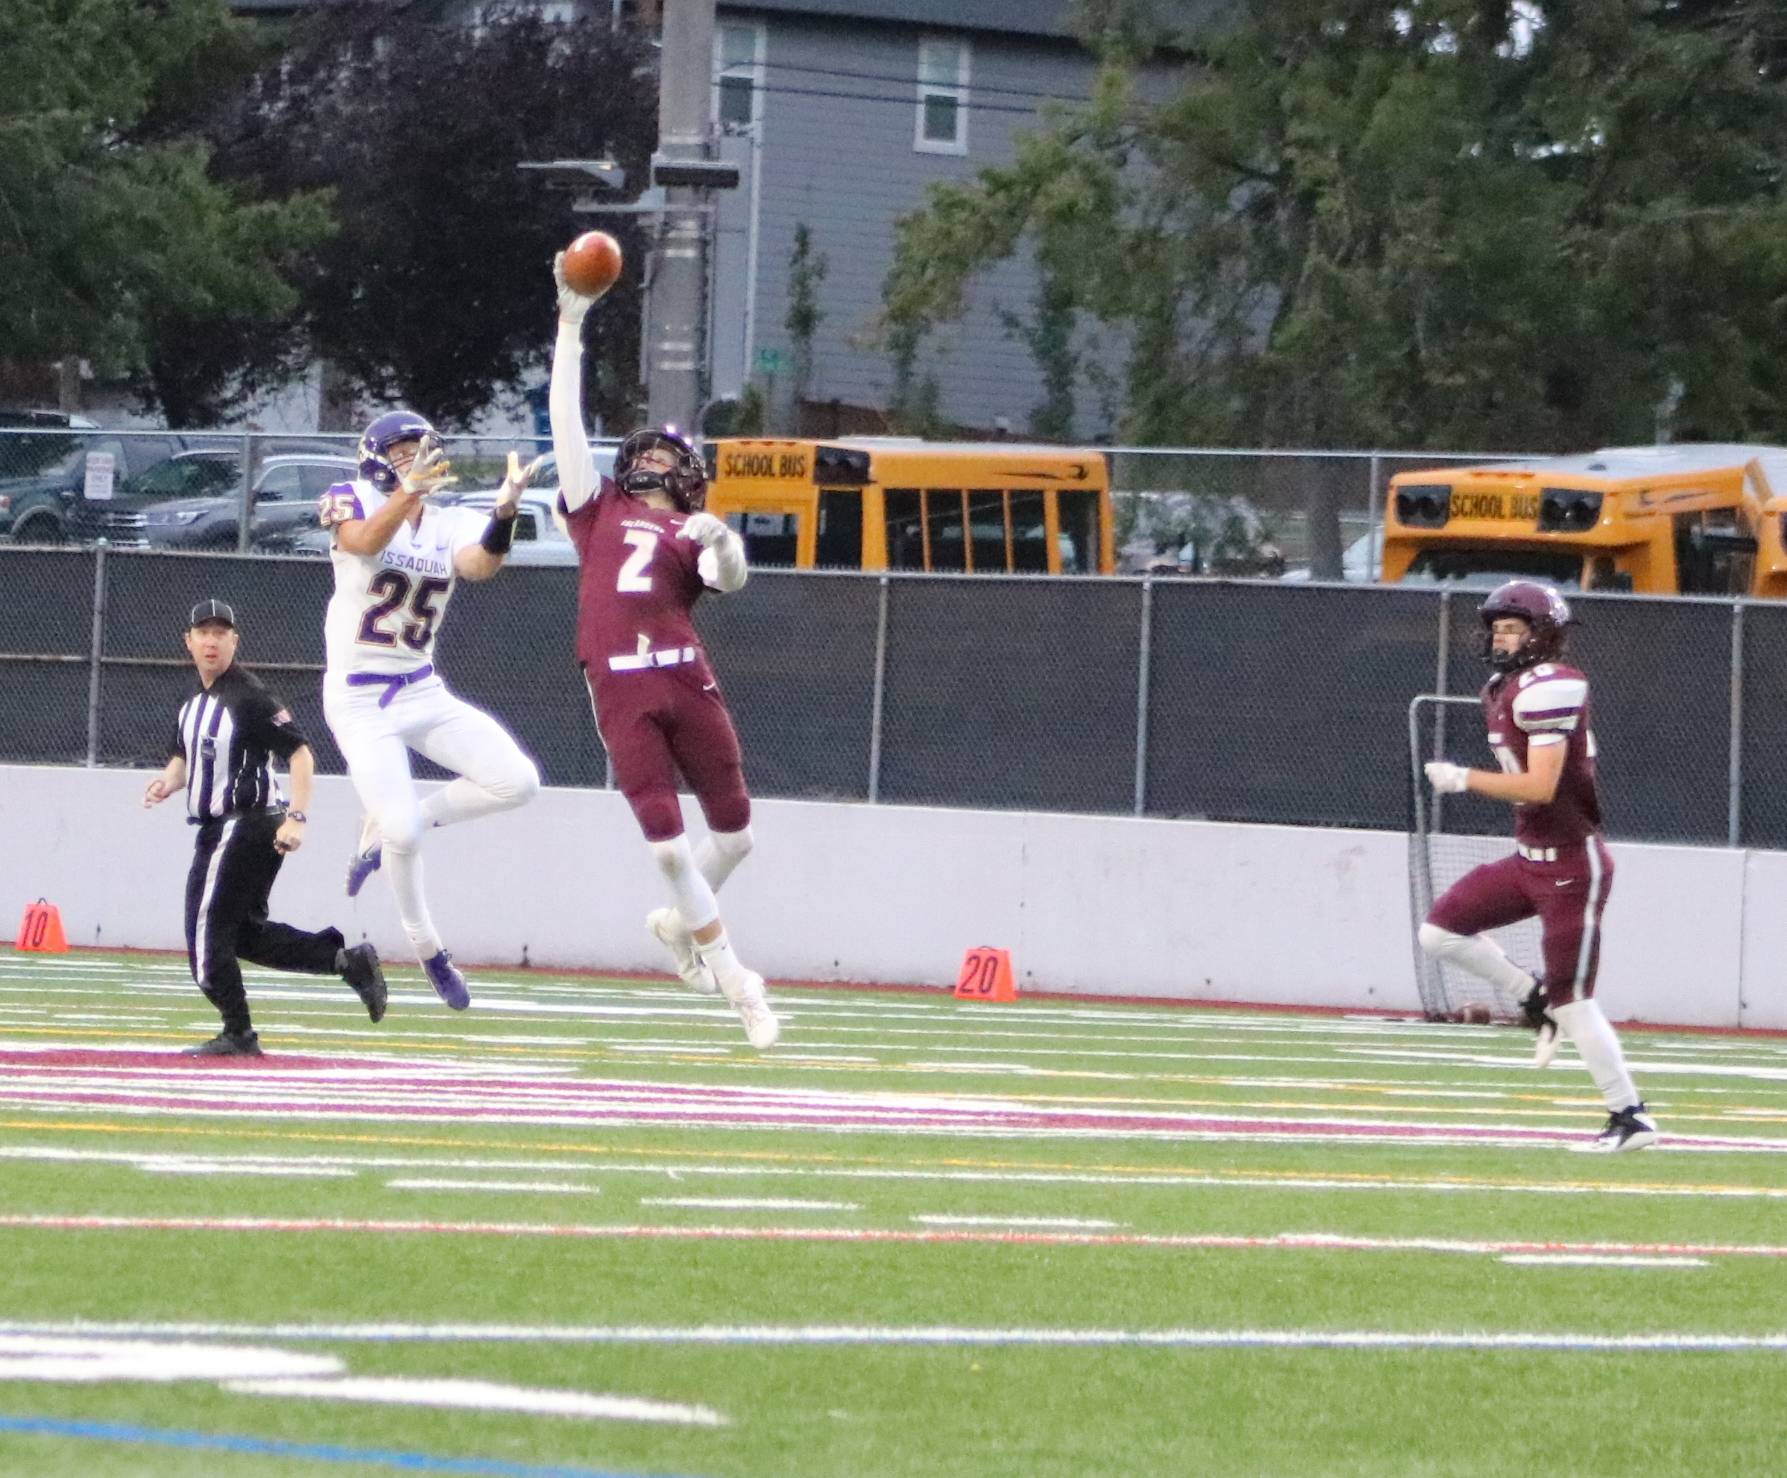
{"type": "Point", "coordinates": [296, 816]}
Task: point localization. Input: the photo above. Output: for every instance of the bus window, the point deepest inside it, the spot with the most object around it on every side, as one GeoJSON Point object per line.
{"type": "Point", "coordinates": [840, 530]}
{"type": "Point", "coordinates": [905, 530]}
{"type": "Point", "coordinates": [770, 538]}
{"type": "Point", "coordinates": [1079, 531]}
{"type": "Point", "coordinates": [986, 527]}
{"type": "Point", "coordinates": [1486, 568]}
{"type": "Point", "coordinates": [1029, 534]}
{"type": "Point", "coordinates": [943, 515]}
{"type": "Point", "coordinates": [1712, 557]}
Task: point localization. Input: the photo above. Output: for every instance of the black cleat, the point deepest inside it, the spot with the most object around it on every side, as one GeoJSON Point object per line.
{"type": "Point", "coordinates": [227, 1044]}
{"type": "Point", "coordinates": [360, 969]}
{"type": "Point", "coordinates": [1629, 1129]}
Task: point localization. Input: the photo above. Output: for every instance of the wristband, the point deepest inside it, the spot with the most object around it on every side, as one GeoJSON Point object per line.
{"type": "Point", "coordinates": [296, 816]}
{"type": "Point", "coordinates": [499, 534]}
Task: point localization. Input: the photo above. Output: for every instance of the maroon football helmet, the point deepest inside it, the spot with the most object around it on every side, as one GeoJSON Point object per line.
{"type": "Point", "coordinates": [686, 482]}
{"type": "Point", "coordinates": [1546, 614]}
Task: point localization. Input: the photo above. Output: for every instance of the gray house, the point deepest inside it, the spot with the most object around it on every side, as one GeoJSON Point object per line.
{"type": "Point", "coordinates": [839, 113]}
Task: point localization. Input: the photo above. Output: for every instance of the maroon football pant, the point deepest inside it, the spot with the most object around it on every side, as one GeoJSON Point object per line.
{"type": "Point", "coordinates": [1568, 895]}
{"type": "Point", "coordinates": [662, 720]}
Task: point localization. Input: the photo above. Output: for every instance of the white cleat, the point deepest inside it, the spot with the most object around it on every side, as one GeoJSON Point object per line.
{"type": "Point", "coordinates": [667, 928]}
{"type": "Point", "coordinates": [748, 999]}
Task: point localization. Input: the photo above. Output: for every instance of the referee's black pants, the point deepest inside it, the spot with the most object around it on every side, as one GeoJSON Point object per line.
{"type": "Point", "coordinates": [233, 867]}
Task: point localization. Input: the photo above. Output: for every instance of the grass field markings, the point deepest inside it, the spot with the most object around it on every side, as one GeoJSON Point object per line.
{"type": "Point", "coordinates": [1063, 1223]}
{"type": "Point", "coordinates": [1014, 1174]}
{"type": "Point", "coordinates": [316, 1452]}
{"type": "Point", "coordinates": [239, 1167]}
{"type": "Point", "coordinates": [1654, 1341]}
{"type": "Point", "coordinates": [544, 1187]}
{"type": "Point", "coordinates": [945, 1121]}
{"type": "Point", "coordinates": [1589, 1260]}
{"type": "Point", "coordinates": [1322, 1242]}
{"type": "Point", "coordinates": [746, 1203]}
{"type": "Point", "coordinates": [477, 1395]}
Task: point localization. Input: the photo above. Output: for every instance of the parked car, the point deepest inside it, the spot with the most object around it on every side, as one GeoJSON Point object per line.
{"type": "Point", "coordinates": [42, 476]}
{"type": "Point", "coordinates": [286, 490]}
{"type": "Point", "coordinates": [539, 537]}
{"type": "Point", "coordinates": [122, 518]}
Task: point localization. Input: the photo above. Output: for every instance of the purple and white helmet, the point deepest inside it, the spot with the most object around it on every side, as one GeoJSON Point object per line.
{"type": "Point", "coordinates": [1546, 614]}
{"type": "Point", "coordinates": [390, 430]}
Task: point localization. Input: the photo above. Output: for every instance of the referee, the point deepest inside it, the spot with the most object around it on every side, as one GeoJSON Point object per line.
{"type": "Point", "coordinates": [227, 733]}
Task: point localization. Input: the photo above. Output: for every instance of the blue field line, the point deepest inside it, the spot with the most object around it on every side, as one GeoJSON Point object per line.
{"type": "Point", "coordinates": [320, 1452]}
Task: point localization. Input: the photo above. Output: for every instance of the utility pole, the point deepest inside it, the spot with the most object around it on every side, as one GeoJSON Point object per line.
{"type": "Point", "coordinates": [676, 311]}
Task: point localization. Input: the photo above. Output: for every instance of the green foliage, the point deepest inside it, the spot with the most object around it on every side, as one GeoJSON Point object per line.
{"type": "Point", "coordinates": [109, 222]}
{"type": "Point", "coordinates": [806, 271]}
{"type": "Point", "coordinates": [436, 290]}
{"type": "Point", "coordinates": [1354, 223]}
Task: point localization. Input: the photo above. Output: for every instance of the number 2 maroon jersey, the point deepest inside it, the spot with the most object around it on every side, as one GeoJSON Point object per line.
{"type": "Point", "coordinates": [638, 581]}
{"type": "Point", "coordinates": [1539, 706]}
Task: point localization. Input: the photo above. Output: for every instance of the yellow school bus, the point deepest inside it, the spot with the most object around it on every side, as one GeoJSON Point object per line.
{"type": "Point", "coordinates": [889, 503]}
{"type": "Point", "coordinates": [1665, 520]}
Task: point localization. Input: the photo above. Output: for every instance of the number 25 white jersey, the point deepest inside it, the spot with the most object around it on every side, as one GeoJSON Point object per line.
{"type": "Point", "coordinates": [388, 606]}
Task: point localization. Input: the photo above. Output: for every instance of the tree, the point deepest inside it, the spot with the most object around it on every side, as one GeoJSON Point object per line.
{"type": "Point", "coordinates": [1360, 223]}
{"type": "Point", "coordinates": [435, 290]}
{"type": "Point", "coordinates": [107, 223]}
{"type": "Point", "coordinates": [806, 270]}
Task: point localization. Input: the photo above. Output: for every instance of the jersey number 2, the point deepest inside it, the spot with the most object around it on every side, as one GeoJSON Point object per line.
{"type": "Point", "coordinates": [632, 578]}
{"type": "Point", "coordinates": [392, 587]}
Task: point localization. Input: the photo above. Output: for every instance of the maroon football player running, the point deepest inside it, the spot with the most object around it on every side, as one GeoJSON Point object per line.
{"type": "Point", "coordinates": [648, 551]}
{"type": "Point", "coordinates": [1537, 713]}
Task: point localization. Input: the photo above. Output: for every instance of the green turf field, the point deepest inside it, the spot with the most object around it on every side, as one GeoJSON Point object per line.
{"type": "Point", "coordinates": [584, 1229]}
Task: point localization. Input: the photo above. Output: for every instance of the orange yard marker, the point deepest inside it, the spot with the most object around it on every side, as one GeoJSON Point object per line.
{"type": "Point", "coordinates": [986, 975]}
{"type": "Point", "coordinates": [41, 929]}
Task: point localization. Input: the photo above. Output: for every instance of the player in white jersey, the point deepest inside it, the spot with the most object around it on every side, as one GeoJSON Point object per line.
{"type": "Point", "coordinates": [397, 559]}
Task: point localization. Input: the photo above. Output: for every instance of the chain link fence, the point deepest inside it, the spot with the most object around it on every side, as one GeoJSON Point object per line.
{"type": "Point", "coordinates": [1228, 700]}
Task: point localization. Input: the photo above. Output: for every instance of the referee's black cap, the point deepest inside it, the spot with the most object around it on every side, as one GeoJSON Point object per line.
{"type": "Point", "coordinates": [213, 609]}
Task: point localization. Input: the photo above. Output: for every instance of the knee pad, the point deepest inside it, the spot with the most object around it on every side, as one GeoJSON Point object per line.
{"type": "Point", "coordinates": [1437, 941]}
{"type": "Point", "coordinates": [523, 785]}
{"type": "Point", "coordinates": [673, 858]}
{"type": "Point", "coordinates": [734, 846]}
{"type": "Point", "coordinates": [402, 831]}
{"type": "Point", "coordinates": [728, 812]}
{"type": "Point", "coordinates": [659, 816]}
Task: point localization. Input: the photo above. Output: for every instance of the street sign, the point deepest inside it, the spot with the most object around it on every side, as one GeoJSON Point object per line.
{"type": "Point", "coordinates": [770, 361]}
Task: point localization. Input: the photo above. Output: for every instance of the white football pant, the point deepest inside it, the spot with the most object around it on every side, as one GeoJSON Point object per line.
{"type": "Point", "coordinates": [494, 775]}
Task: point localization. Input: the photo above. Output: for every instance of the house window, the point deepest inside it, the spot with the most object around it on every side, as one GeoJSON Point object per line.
{"type": "Point", "coordinates": [738, 71]}
{"type": "Point", "coordinates": [942, 125]}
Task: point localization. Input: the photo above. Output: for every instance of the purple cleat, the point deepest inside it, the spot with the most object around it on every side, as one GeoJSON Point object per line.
{"type": "Point", "coordinates": [363, 866]}
{"type": "Point", "coordinates": [448, 983]}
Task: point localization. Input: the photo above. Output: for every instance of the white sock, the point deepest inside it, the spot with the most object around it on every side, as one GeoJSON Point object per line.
{"type": "Point", "coordinates": [689, 890]}
{"type": "Point", "coordinates": [1585, 1024]}
{"type": "Point", "coordinates": [721, 960]}
{"type": "Point", "coordinates": [1480, 955]}
{"type": "Point", "coordinates": [719, 853]}
{"type": "Point", "coordinates": [405, 868]}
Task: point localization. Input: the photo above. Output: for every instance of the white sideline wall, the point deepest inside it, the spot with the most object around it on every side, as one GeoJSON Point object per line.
{"type": "Point", "coordinates": [1105, 905]}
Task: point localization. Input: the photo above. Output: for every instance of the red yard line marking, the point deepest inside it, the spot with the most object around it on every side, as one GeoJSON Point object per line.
{"type": "Point", "coordinates": [1296, 1242]}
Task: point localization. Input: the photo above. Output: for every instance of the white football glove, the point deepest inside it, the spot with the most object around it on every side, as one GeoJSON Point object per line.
{"type": "Point", "coordinates": [704, 529]}
{"type": "Point", "coordinates": [572, 305]}
{"type": "Point", "coordinates": [516, 479]}
{"type": "Point", "coordinates": [431, 472]}
{"type": "Point", "coordinates": [1447, 779]}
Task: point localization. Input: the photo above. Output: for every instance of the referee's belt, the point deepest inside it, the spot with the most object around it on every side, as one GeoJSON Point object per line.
{"type": "Point", "coordinates": [394, 682]}
{"type": "Point", "coordinates": [639, 661]}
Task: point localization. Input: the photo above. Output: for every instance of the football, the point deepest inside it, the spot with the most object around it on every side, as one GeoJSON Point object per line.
{"type": "Point", "coordinates": [1475, 1014]}
{"type": "Point", "coordinates": [592, 263]}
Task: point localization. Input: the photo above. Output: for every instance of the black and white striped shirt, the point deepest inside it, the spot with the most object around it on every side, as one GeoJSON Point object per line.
{"type": "Point", "coordinates": [227, 734]}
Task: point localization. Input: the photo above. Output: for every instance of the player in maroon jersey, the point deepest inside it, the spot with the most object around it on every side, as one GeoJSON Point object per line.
{"type": "Point", "coordinates": [647, 551]}
{"type": "Point", "coordinates": [1537, 712]}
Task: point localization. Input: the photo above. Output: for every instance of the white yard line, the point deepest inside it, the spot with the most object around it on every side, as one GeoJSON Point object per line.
{"type": "Point", "coordinates": [544, 1187]}
{"type": "Point", "coordinates": [939, 1219]}
{"type": "Point", "coordinates": [742, 1203]}
{"type": "Point", "coordinates": [1588, 1260]}
{"type": "Point", "coordinates": [1660, 1341]}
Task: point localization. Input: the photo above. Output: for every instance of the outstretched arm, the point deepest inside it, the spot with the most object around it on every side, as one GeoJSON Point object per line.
{"type": "Point", "coordinates": [578, 480]}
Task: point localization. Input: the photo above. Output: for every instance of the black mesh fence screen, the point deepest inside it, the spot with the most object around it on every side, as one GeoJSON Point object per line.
{"type": "Point", "coordinates": [1285, 703]}
{"type": "Point", "coordinates": [1266, 701]}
